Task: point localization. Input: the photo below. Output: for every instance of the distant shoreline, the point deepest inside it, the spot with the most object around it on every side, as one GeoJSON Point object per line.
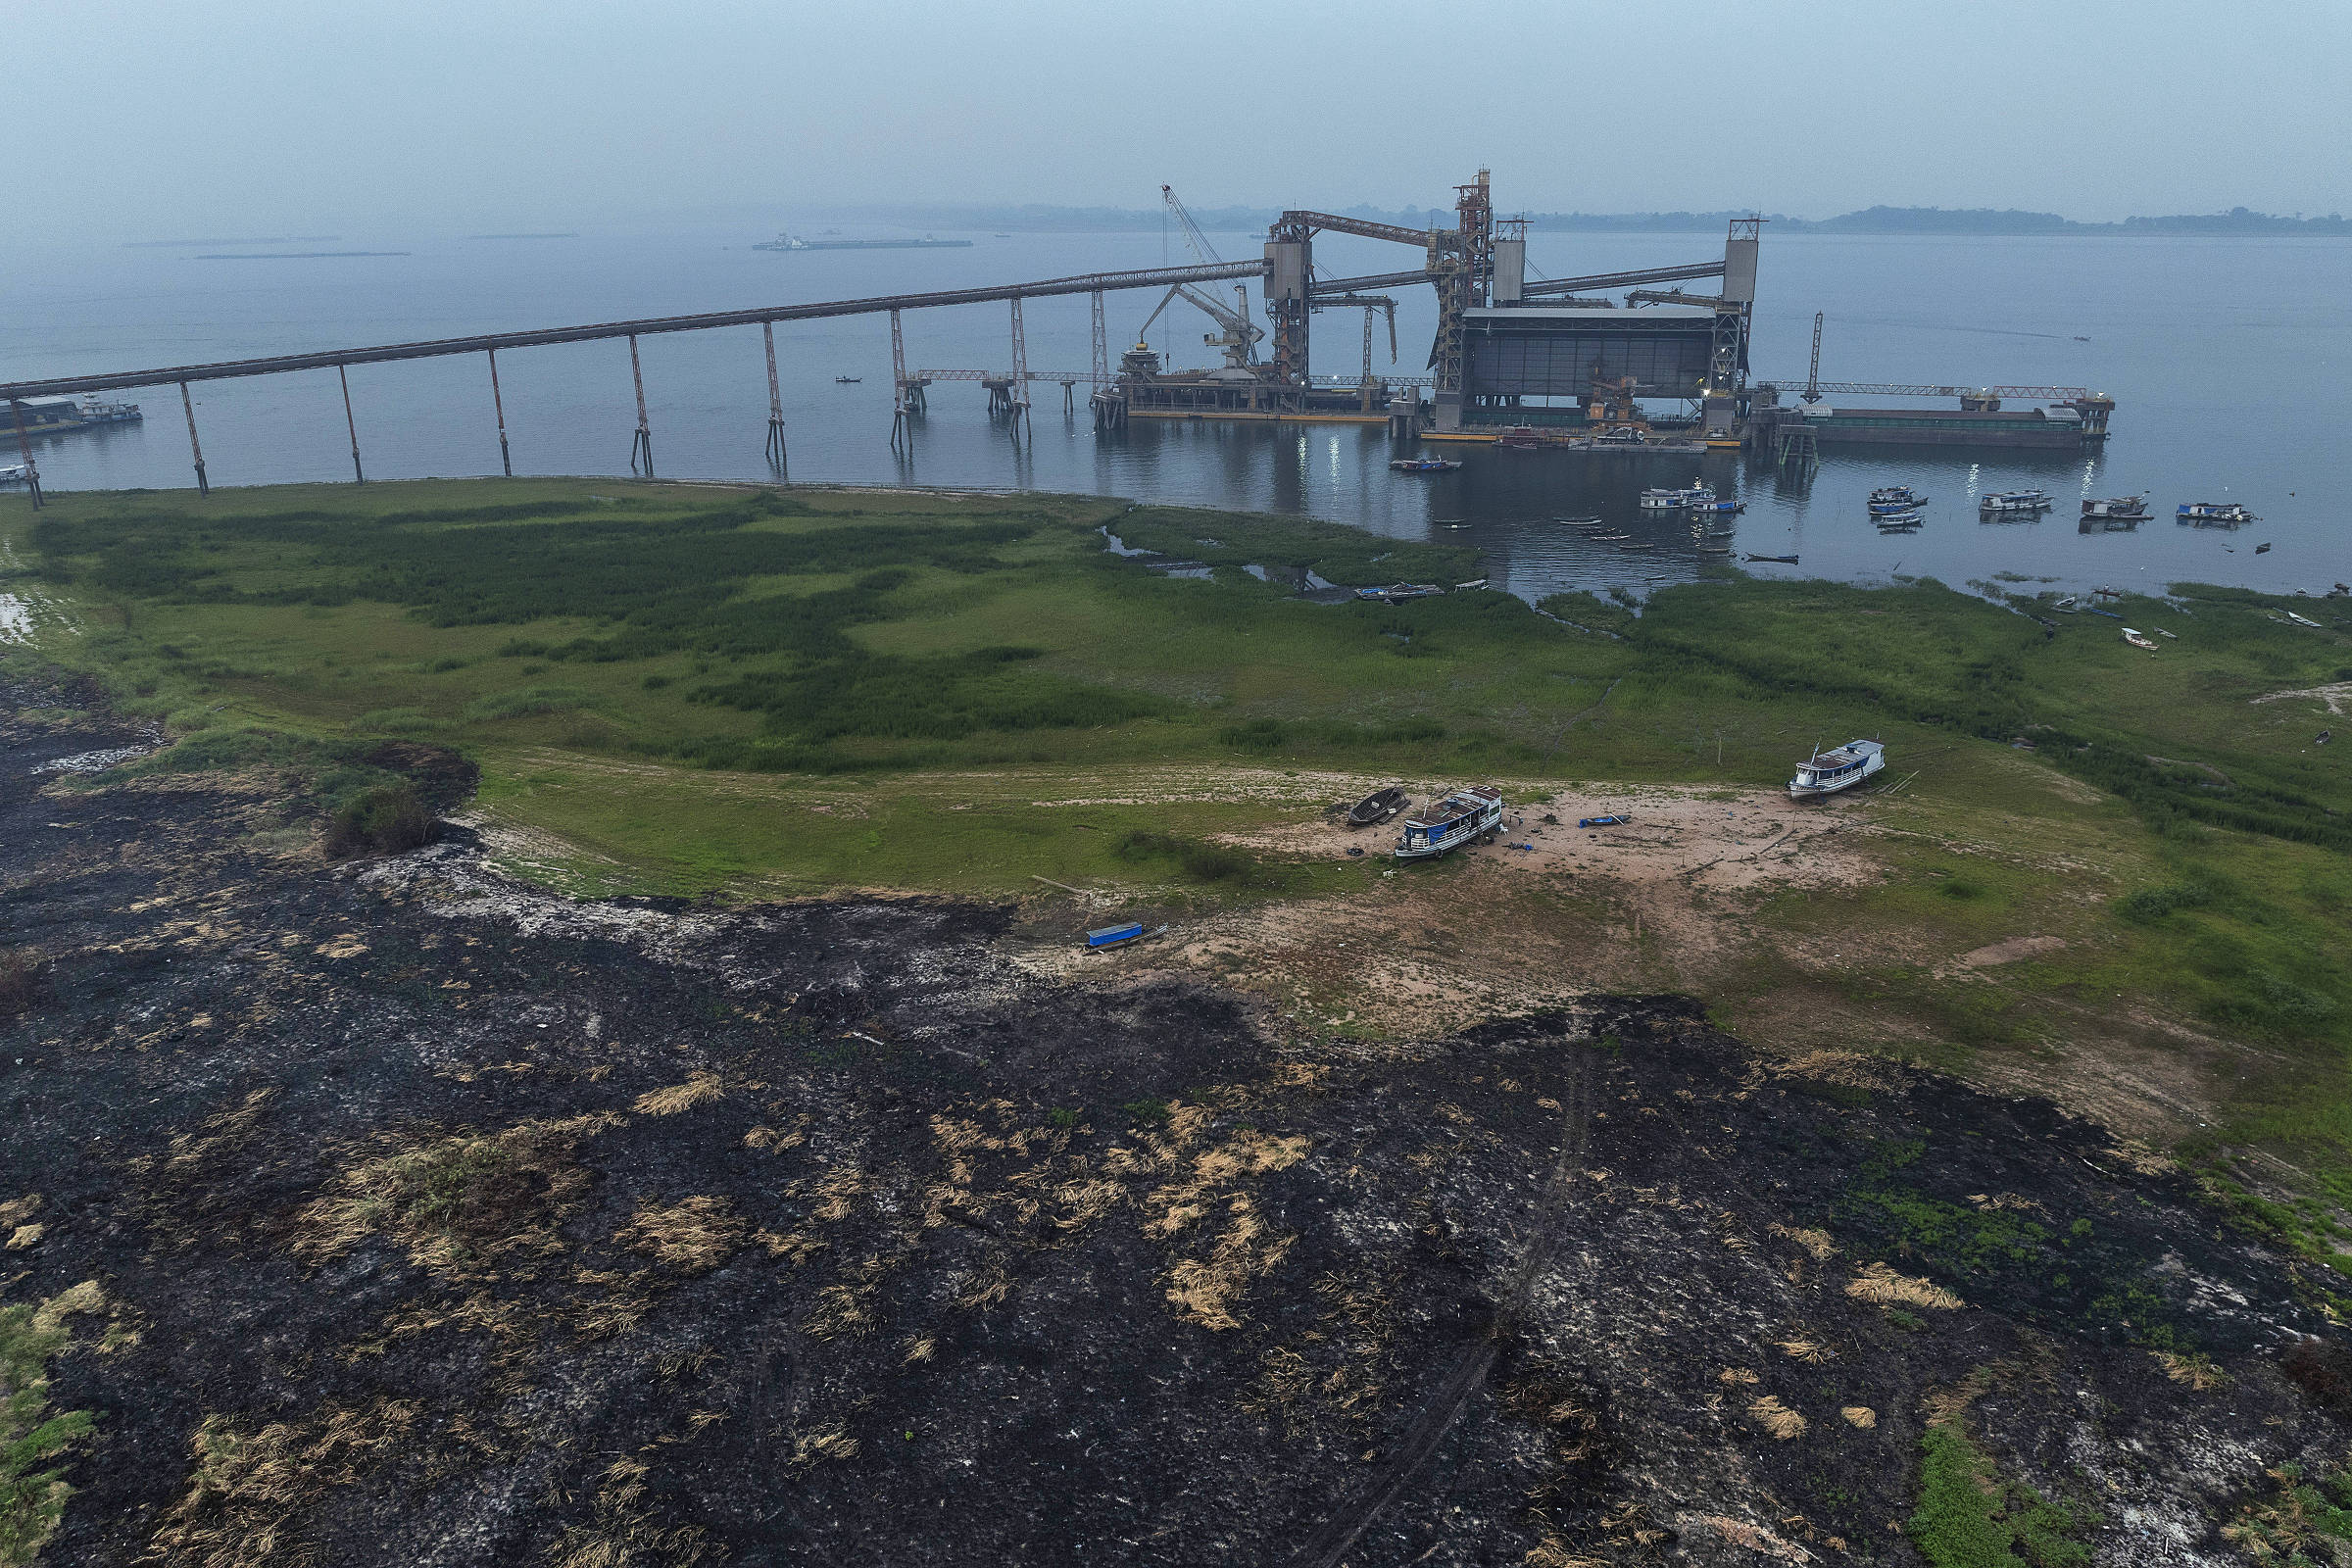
{"type": "Point", "coordinates": [267, 239]}
{"type": "Point", "coordinates": [289, 256]}
{"type": "Point", "coordinates": [2007, 222]}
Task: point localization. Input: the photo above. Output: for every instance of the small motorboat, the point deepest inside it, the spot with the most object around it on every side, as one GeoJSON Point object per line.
{"type": "Point", "coordinates": [1579, 523]}
{"type": "Point", "coordinates": [1466, 815]}
{"type": "Point", "coordinates": [847, 380]}
{"type": "Point", "coordinates": [1607, 538]}
{"type": "Point", "coordinates": [1398, 590]}
{"type": "Point", "coordinates": [2135, 508]}
{"type": "Point", "coordinates": [2262, 549]}
{"type": "Point", "coordinates": [1785, 561]}
{"type": "Point", "coordinates": [1712, 550]}
{"type": "Point", "coordinates": [14, 473]}
{"type": "Point", "coordinates": [2132, 636]}
{"type": "Point", "coordinates": [2302, 620]}
{"type": "Point", "coordinates": [2215, 511]}
{"type": "Point", "coordinates": [2027, 501]}
{"type": "Point", "coordinates": [1624, 435]}
{"type": "Point", "coordinates": [2067, 602]}
{"type": "Point", "coordinates": [1424, 464]}
{"type": "Point", "coordinates": [1828, 772]}
{"type": "Point", "coordinates": [1520, 438]}
{"type": "Point", "coordinates": [1697, 498]}
{"type": "Point", "coordinates": [1378, 806]}
{"type": "Point", "coordinates": [1475, 582]}
{"type": "Point", "coordinates": [1896, 496]}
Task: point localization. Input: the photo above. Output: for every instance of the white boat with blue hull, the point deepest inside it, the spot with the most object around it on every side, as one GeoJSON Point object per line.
{"type": "Point", "coordinates": [1828, 772]}
{"type": "Point", "coordinates": [1466, 815]}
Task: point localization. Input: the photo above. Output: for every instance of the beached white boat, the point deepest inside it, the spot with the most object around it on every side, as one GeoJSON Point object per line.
{"type": "Point", "coordinates": [1828, 772]}
{"type": "Point", "coordinates": [1462, 816]}
{"type": "Point", "coordinates": [2132, 636]}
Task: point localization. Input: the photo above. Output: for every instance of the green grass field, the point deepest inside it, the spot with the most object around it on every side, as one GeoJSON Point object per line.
{"type": "Point", "coordinates": [695, 689]}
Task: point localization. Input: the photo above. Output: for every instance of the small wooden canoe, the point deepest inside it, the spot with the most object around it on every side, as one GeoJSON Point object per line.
{"type": "Point", "coordinates": [1378, 806]}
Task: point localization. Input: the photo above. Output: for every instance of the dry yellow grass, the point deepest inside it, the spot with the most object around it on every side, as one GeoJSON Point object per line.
{"type": "Point", "coordinates": [1815, 1242]}
{"type": "Point", "coordinates": [246, 1491]}
{"type": "Point", "coordinates": [831, 1442]}
{"type": "Point", "coordinates": [1810, 1352]}
{"type": "Point", "coordinates": [699, 1088]}
{"type": "Point", "coordinates": [1882, 1286]}
{"type": "Point", "coordinates": [797, 1247]}
{"type": "Point", "coordinates": [1735, 1376]}
{"type": "Point", "coordinates": [1860, 1415]}
{"type": "Point", "coordinates": [1776, 1418]}
{"type": "Point", "coordinates": [458, 1204]}
{"type": "Point", "coordinates": [2191, 1371]}
{"type": "Point", "coordinates": [1208, 1290]}
{"type": "Point", "coordinates": [692, 1236]}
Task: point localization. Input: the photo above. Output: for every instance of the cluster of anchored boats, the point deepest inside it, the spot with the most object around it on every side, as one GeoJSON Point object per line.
{"type": "Point", "coordinates": [1898, 507]}
{"type": "Point", "coordinates": [1697, 498]}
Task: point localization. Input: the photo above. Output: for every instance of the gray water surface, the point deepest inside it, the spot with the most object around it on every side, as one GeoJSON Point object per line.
{"type": "Point", "coordinates": [2227, 359]}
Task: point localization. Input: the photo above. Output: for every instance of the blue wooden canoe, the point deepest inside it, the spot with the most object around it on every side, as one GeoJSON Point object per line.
{"type": "Point", "coordinates": [1110, 935]}
{"type": "Point", "coordinates": [1602, 822]}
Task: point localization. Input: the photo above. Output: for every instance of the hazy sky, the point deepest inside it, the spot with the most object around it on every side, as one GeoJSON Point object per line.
{"type": "Point", "coordinates": [265, 116]}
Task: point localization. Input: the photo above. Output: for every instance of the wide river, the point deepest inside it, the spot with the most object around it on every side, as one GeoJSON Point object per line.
{"type": "Point", "coordinates": [2228, 357]}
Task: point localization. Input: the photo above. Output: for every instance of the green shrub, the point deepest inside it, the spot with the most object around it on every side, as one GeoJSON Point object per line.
{"type": "Point", "coordinates": [384, 820]}
{"type": "Point", "coordinates": [528, 702]}
{"type": "Point", "coordinates": [2144, 905]}
{"type": "Point", "coordinates": [396, 722]}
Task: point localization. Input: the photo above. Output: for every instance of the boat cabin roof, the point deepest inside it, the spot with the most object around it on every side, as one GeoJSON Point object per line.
{"type": "Point", "coordinates": [1851, 754]}
{"type": "Point", "coordinates": [1460, 803]}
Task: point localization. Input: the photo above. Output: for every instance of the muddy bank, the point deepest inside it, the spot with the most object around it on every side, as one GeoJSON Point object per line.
{"type": "Point", "coordinates": [437, 1220]}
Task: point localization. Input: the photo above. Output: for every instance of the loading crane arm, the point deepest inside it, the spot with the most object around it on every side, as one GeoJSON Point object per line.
{"type": "Point", "coordinates": [1361, 302]}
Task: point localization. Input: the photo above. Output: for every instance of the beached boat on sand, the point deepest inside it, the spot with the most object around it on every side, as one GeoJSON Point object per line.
{"type": "Point", "coordinates": [1828, 772]}
{"type": "Point", "coordinates": [1471, 812]}
{"type": "Point", "coordinates": [1378, 806]}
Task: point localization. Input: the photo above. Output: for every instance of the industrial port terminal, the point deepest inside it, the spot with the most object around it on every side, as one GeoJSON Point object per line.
{"type": "Point", "coordinates": [1542, 364]}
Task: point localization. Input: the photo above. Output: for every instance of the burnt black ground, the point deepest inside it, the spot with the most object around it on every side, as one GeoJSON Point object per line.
{"type": "Point", "coordinates": [945, 1263]}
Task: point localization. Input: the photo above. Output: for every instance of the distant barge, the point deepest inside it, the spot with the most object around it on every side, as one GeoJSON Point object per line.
{"type": "Point", "coordinates": [56, 415]}
{"type": "Point", "coordinates": [1980, 421]}
{"type": "Point", "coordinates": [793, 242]}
